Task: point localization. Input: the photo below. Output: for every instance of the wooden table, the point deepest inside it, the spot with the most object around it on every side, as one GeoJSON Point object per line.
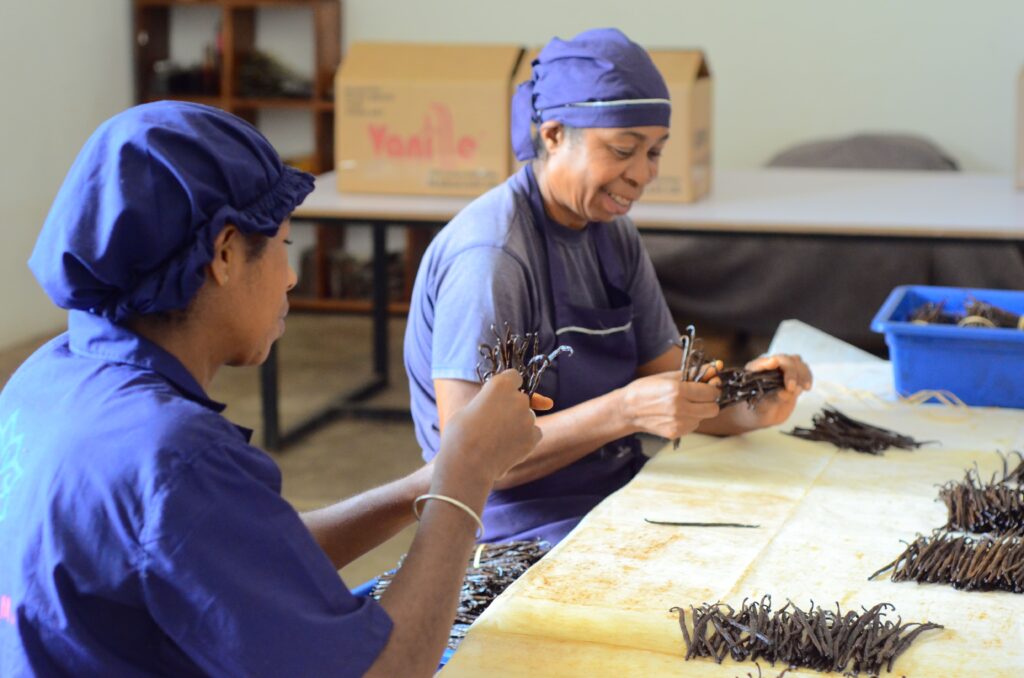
{"type": "Point", "coordinates": [843, 204]}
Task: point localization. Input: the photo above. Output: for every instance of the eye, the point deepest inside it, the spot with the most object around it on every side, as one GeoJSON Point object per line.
{"type": "Point", "coordinates": [287, 241]}
{"type": "Point", "coordinates": [621, 152]}
{"type": "Point", "coordinates": [654, 153]}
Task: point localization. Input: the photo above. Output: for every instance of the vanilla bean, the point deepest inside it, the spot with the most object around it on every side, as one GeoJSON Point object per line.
{"type": "Point", "coordinates": [519, 353]}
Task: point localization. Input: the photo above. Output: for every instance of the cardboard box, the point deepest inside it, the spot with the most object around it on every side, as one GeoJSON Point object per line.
{"type": "Point", "coordinates": [684, 173]}
{"type": "Point", "coordinates": [423, 119]}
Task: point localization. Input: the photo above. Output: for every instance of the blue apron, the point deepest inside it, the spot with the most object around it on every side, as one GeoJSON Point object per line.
{"type": "Point", "coordinates": [604, 359]}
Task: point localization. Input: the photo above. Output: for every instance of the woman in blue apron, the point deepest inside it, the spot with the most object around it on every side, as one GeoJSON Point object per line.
{"type": "Point", "coordinates": [142, 533]}
{"type": "Point", "coordinates": [551, 251]}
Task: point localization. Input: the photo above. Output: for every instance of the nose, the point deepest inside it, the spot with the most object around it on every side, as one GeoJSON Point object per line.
{"type": "Point", "coordinates": [293, 279]}
{"type": "Point", "coordinates": [641, 171]}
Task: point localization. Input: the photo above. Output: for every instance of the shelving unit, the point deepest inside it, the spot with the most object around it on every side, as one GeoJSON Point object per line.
{"type": "Point", "coordinates": [237, 39]}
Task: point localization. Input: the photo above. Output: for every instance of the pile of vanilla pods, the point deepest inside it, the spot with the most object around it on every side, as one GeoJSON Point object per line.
{"type": "Point", "coordinates": [499, 566]}
{"type": "Point", "coordinates": [976, 314]}
{"type": "Point", "coordinates": [976, 505]}
{"type": "Point", "coordinates": [990, 562]}
{"type": "Point", "coordinates": [993, 560]}
{"type": "Point", "coordinates": [819, 639]}
{"type": "Point", "coordinates": [832, 426]}
{"type": "Point", "coordinates": [519, 353]}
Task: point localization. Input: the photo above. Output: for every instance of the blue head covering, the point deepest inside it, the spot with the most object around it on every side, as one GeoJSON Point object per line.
{"type": "Point", "coordinates": [598, 79]}
{"type": "Point", "coordinates": [133, 225]}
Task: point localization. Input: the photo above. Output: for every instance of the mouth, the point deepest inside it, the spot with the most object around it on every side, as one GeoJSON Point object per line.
{"type": "Point", "coordinates": [620, 201]}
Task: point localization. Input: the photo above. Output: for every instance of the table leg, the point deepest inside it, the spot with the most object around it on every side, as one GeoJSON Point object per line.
{"type": "Point", "coordinates": [380, 301]}
{"type": "Point", "coordinates": [268, 392]}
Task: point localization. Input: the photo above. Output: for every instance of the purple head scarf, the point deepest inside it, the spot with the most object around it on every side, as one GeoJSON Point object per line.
{"type": "Point", "coordinates": [598, 79]}
{"type": "Point", "coordinates": [134, 223]}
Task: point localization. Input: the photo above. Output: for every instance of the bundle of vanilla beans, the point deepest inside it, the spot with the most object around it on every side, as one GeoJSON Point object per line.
{"type": "Point", "coordinates": [990, 562]}
{"type": "Point", "coordinates": [976, 314]}
{"type": "Point", "coordinates": [993, 560]}
{"type": "Point", "coordinates": [499, 565]}
{"type": "Point", "coordinates": [832, 426]}
{"type": "Point", "coordinates": [519, 353]}
{"type": "Point", "coordinates": [819, 638]}
{"type": "Point", "coordinates": [996, 505]}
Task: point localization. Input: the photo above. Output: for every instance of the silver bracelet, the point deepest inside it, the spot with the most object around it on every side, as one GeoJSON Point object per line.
{"type": "Point", "coordinates": [454, 502]}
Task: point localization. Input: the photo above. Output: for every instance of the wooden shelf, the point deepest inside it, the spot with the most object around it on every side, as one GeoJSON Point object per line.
{"type": "Point", "coordinates": [247, 103]}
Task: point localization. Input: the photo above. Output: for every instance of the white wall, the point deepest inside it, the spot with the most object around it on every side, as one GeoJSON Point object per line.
{"type": "Point", "coordinates": [785, 70]}
{"type": "Point", "coordinates": [65, 66]}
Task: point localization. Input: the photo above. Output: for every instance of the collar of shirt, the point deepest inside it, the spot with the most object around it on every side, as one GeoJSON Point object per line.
{"type": "Point", "coordinates": [96, 337]}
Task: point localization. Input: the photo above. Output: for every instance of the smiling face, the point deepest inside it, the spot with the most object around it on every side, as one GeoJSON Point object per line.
{"type": "Point", "coordinates": [596, 174]}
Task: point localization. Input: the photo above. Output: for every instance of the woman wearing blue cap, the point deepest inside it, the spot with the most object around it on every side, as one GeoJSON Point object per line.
{"type": "Point", "coordinates": [551, 251]}
{"type": "Point", "coordinates": [141, 533]}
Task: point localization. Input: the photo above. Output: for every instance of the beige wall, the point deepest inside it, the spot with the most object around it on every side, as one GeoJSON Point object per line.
{"type": "Point", "coordinates": [64, 67]}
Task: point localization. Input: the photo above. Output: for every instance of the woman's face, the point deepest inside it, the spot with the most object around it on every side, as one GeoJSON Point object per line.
{"type": "Point", "coordinates": [262, 302]}
{"type": "Point", "coordinates": [597, 174]}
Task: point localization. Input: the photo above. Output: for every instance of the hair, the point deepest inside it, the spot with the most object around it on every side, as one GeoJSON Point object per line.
{"type": "Point", "coordinates": [255, 246]}
{"type": "Point", "coordinates": [572, 134]}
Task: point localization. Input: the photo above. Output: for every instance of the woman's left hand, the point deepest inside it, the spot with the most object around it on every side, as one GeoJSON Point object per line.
{"type": "Point", "coordinates": [776, 407]}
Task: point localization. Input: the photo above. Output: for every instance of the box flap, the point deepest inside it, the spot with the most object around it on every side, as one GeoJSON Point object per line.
{"type": "Point", "coordinates": [681, 64]}
{"type": "Point", "coordinates": [429, 62]}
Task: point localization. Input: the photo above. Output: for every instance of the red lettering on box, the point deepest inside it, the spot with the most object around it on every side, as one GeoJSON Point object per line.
{"type": "Point", "coordinates": [435, 140]}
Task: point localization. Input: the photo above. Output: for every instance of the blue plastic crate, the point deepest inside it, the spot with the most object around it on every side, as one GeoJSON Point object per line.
{"type": "Point", "coordinates": [980, 366]}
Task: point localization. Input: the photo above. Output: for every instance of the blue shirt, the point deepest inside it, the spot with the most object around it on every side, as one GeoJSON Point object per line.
{"type": "Point", "coordinates": [489, 266]}
{"type": "Point", "coordinates": [142, 534]}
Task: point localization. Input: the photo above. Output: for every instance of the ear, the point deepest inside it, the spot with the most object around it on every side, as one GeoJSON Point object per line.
{"type": "Point", "coordinates": [552, 135]}
{"type": "Point", "coordinates": [228, 252]}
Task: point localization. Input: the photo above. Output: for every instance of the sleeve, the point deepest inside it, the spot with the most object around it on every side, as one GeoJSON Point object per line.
{"type": "Point", "coordinates": [237, 581]}
{"type": "Point", "coordinates": [654, 327]}
{"type": "Point", "coordinates": [479, 287]}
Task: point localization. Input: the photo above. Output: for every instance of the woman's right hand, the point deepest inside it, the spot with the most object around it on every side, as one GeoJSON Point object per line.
{"type": "Point", "coordinates": [664, 405]}
{"type": "Point", "coordinates": [492, 433]}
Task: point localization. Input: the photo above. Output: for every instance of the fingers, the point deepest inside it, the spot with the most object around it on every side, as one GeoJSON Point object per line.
{"type": "Point", "coordinates": [696, 392]}
{"type": "Point", "coordinates": [541, 403]}
{"type": "Point", "coordinates": [508, 379]}
{"type": "Point", "coordinates": [794, 370]}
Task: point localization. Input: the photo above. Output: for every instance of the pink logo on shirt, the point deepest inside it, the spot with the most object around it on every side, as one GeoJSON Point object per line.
{"type": "Point", "coordinates": [6, 614]}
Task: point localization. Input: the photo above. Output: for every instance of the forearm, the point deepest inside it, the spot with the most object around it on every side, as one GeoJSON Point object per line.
{"type": "Point", "coordinates": [569, 435]}
{"type": "Point", "coordinates": [422, 598]}
{"type": "Point", "coordinates": [354, 526]}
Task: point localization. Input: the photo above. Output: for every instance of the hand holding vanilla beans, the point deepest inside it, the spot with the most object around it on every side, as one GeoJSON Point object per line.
{"type": "Point", "coordinates": [819, 639]}
{"type": "Point", "coordinates": [519, 353]}
{"type": "Point", "coordinates": [832, 426]}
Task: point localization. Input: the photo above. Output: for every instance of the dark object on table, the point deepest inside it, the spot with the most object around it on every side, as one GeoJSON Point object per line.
{"type": "Point", "coordinates": [997, 505]}
{"type": "Point", "coordinates": [748, 285]}
{"type": "Point", "coordinates": [262, 75]}
{"type": "Point", "coordinates": [519, 353]}
{"type": "Point", "coordinates": [986, 563]}
{"type": "Point", "coordinates": [832, 426]}
{"type": "Point", "coordinates": [819, 639]}
{"type": "Point", "coordinates": [499, 566]}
